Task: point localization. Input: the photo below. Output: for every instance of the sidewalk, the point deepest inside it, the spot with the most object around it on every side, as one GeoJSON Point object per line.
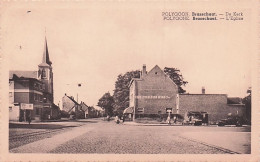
{"type": "Point", "coordinates": [152, 124]}
{"type": "Point", "coordinates": [48, 144]}
{"type": "Point", "coordinates": [236, 141]}
{"type": "Point", "coordinates": [178, 124]}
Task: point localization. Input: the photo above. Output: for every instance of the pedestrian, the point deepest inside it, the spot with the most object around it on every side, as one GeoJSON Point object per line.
{"type": "Point", "coordinates": [168, 120]}
{"type": "Point", "coordinates": [174, 119]}
{"type": "Point", "coordinates": [117, 120]}
{"type": "Point", "coordinates": [123, 118]}
{"type": "Point", "coordinates": [29, 119]}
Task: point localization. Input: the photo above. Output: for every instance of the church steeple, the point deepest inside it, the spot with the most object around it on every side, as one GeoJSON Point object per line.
{"type": "Point", "coordinates": [45, 74]}
{"type": "Point", "coordinates": [46, 57]}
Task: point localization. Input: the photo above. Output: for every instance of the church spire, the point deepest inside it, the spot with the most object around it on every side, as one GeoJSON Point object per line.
{"type": "Point", "coordinates": [46, 57]}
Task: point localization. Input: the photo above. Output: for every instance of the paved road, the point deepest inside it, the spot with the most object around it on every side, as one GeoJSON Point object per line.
{"type": "Point", "coordinates": [111, 138]}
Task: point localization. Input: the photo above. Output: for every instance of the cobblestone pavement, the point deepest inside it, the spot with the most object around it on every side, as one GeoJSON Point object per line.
{"type": "Point", "coordinates": [126, 139]}
{"type": "Point", "coordinates": [97, 136]}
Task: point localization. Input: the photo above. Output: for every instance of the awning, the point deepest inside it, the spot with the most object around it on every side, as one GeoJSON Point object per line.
{"type": "Point", "coordinates": [129, 110]}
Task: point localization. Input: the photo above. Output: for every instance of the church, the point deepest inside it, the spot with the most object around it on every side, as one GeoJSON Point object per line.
{"type": "Point", "coordinates": [31, 92]}
{"type": "Point", "coordinates": [155, 94]}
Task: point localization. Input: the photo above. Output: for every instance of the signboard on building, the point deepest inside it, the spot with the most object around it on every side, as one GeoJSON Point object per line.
{"type": "Point", "coordinates": [25, 106]}
{"type": "Point", "coordinates": [152, 97]}
{"type": "Point", "coordinates": [168, 110]}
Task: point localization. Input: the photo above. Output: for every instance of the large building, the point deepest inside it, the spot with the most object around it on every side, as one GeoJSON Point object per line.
{"type": "Point", "coordinates": [25, 98]}
{"type": "Point", "coordinates": [31, 92]}
{"type": "Point", "coordinates": [154, 93]}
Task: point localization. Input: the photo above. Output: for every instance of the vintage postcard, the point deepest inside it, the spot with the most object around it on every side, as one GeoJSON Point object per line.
{"type": "Point", "coordinates": [116, 80]}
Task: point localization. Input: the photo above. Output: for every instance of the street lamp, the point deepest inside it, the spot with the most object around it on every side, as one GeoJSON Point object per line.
{"type": "Point", "coordinates": [79, 85]}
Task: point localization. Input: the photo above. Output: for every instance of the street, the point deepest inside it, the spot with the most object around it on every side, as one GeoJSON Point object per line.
{"type": "Point", "coordinates": [95, 136]}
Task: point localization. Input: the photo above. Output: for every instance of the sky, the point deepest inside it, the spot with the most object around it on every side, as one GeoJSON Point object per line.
{"type": "Point", "coordinates": [94, 42]}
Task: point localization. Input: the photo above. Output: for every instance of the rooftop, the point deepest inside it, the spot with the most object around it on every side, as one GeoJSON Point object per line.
{"type": "Point", "coordinates": [24, 74]}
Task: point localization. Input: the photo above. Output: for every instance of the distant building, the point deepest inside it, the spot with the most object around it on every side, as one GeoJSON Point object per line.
{"type": "Point", "coordinates": [86, 109]}
{"type": "Point", "coordinates": [81, 111]}
{"type": "Point", "coordinates": [31, 92]}
{"type": "Point", "coordinates": [69, 105]}
{"type": "Point", "coordinates": [155, 94]}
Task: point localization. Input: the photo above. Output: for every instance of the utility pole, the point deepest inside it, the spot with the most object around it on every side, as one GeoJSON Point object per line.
{"type": "Point", "coordinates": [77, 106]}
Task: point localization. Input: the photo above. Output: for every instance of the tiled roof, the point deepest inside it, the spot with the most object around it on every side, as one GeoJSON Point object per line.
{"type": "Point", "coordinates": [84, 107]}
{"type": "Point", "coordinates": [234, 100]}
{"type": "Point", "coordinates": [25, 74]}
{"type": "Point", "coordinates": [72, 99]}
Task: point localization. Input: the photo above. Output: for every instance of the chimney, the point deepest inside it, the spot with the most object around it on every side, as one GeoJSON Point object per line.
{"type": "Point", "coordinates": [203, 90]}
{"type": "Point", "coordinates": [144, 70]}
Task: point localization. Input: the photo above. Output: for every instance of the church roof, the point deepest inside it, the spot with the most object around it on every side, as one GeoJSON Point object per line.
{"type": "Point", "coordinates": [46, 58]}
{"type": "Point", "coordinates": [25, 74]}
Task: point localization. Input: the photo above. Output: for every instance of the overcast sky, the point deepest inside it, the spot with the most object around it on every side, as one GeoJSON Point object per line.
{"type": "Point", "coordinates": [93, 43]}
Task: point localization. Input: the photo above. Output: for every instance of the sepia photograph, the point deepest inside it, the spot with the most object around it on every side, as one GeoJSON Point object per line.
{"type": "Point", "coordinates": [129, 80]}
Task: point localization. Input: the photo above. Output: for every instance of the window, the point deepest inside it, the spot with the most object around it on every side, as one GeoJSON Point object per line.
{"type": "Point", "coordinates": [168, 110]}
{"type": "Point", "coordinates": [10, 94]}
{"type": "Point", "coordinates": [140, 110]}
{"type": "Point", "coordinates": [40, 98]}
{"type": "Point", "coordinates": [10, 109]}
{"type": "Point", "coordinates": [43, 73]}
{"type": "Point", "coordinates": [155, 72]}
{"type": "Point", "coordinates": [37, 111]}
{"type": "Point", "coordinates": [35, 97]}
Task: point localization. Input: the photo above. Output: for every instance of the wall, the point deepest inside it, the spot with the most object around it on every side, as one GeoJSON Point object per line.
{"type": "Point", "coordinates": [11, 92]}
{"type": "Point", "coordinates": [67, 104]}
{"type": "Point", "coordinates": [14, 113]}
{"type": "Point", "coordinates": [21, 97]}
{"type": "Point", "coordinates": [132, 94]}
{"type": "Point", "coordinates": [155, 92]}
{"type": "Point", "coordinates": [214, 104]}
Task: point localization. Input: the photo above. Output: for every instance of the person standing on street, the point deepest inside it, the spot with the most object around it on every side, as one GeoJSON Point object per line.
{"type": "Point", "coordinates": [117, 120]}
{"type": "Point", "coordinates": [168, 120]}
{"type": "Point", "coordinates": [29, 119]}
{"type": "Point", "coordinates": [123, 118]}
{"type": "Point", "coordinates": [174, 119]}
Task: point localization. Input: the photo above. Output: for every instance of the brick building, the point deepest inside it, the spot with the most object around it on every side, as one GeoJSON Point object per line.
{"type": "Point", "coordinates": [216, 105]}
{"type": "Point", "coordinates": [154, 93]}
{"type": "Point", "coordinates": [31, 92]}
{"type": "Point", "coordinates": [26, 97]}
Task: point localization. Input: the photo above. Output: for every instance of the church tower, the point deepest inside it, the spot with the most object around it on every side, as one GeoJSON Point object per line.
{"type": "Point", "coordinates": [46, 76]}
